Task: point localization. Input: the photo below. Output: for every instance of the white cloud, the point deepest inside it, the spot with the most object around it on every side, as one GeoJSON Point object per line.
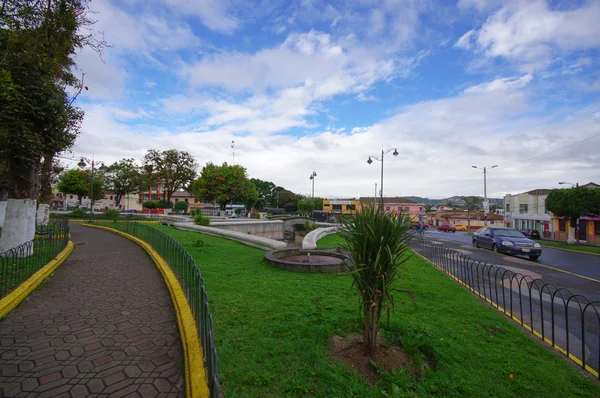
{"type": "Point", "coordinates": [530, 33]}
{"type": "Point", "coordinates": [212, 13]}
{"type": "Point", "coordinates": [438, 141]}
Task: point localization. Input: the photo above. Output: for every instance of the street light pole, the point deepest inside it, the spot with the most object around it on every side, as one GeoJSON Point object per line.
{"type": "Point", "coordinates": [369, 161]}
{"type": "Point", "coordinates": [312, 178]}
{"type": "Point", "coordinates": [576, 185]}
{"type": "Point", "coordinates": [102, 168]}
{"type": "Point", "coordinates": [485, 204]}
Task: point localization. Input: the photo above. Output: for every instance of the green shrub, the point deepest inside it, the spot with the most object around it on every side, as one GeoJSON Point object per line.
{"type": "Point", "coordinates": [180, 206]}
{"type": "Point", "coordinates": [77, 213]}
{"type": "Point", "coordinates": [149, 204]}
{"type": "Point", "coordinates": [310, 226]}
{"type": "Point", "coordinates": [164, 204]}
{"type": "Point", "coordinates": [112, 213]}
{"type": "Point", "coordinates": [201, 220]}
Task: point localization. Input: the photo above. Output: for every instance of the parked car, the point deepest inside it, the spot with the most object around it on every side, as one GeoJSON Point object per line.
{"type": "Point", "coordinates": [531, 233]}
{"type": "Point", "coordinates": [446, 228]}
{"type": "Point", "coordinates": [506, 240]}
{"type": "Point", "coordinates": [460, 227]}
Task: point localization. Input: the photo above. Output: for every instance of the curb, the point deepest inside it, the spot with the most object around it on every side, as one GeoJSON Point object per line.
{"type": "Point", "coordinates": [195, 375]}
{"type": "Point", "coordinates": [570, 250]}
{"type": "Point", "coordinates": [9, 302]}
{"type": "Point", "coordinates": [140, 221]}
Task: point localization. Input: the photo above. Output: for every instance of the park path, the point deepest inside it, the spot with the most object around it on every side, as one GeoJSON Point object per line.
{"type": "Point", "coordinates": [102, 325]}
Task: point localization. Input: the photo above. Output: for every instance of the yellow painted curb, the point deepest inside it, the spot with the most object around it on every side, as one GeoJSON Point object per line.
{"type": "Point", "coordinates": [515, 319]}
{"type": "Point", "coordinates": [195, 375]}
{"type": "Point", "coordinates": [9, 302]}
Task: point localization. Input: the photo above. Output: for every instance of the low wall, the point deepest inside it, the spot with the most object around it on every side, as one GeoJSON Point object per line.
{"type": "Point", "coordinates": [310, 240]}
{"type": "Point", "coordinates": [245, 238]}
{"type": "Point", "coordinates": [262, 228]}
{"type": "Point", "coordinates": [276, 259]}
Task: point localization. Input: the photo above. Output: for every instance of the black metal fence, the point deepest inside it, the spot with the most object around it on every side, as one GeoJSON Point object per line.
{"type": "Point", "coordinates": [188, 274]}
{"type": "Point", "coordinates": [19, 263]}
{"type": "Point", "coordinates": [568, 322]}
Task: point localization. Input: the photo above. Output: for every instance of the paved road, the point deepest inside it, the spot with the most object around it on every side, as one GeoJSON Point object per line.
{"type": "Point", "coordinates": [102, 325]}
{"type": "Point", "coordinates": [578, 272]}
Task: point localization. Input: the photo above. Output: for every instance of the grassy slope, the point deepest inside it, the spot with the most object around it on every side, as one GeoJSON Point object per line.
{"type": "Point", "coordinates": [574, 247]}
{"type": "Point", "coordinates": [272, 327]}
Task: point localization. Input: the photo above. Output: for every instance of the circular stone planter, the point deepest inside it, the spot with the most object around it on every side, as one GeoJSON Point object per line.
{"type": "Point", "coordinates": [297, 260]}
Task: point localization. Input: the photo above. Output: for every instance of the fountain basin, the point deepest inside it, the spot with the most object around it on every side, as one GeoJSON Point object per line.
{"type": "Point", "coordinates": [298, 260]}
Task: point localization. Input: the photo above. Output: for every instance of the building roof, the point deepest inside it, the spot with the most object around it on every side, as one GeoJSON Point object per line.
{"type": "Point", "coordinates": [181, 194]}
{"type": "Point", "coordinates": [386, 200]}
{"type": "Point", "coordinates": [539, 191]}
{"type": "Point", "coordinates": [591, 185]}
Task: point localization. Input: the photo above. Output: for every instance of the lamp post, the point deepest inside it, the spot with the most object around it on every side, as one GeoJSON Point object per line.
{"type": "Point", "coordinates": [312, 178]}
{"type": "Point", "coordinates": [485, 204]}
{"type": "Point", "coordinates": [370, 160]}
{"type": "Point", "coordinates": [576, 185]}
{"type": "Point", "coordinates": [102, 169]}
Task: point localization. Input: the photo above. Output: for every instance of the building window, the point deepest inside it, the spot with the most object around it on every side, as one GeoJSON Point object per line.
{"type": "Point", "coordinates": [508, 207]}
{"type": "Point", "coordinates": [562, 225]}
{"type": "Point", "coordinates": [387, 208]}
{"type": "Point", "coordinates": [596, 227]}
{"type": "Point", "coordinates": [420, 209]}
{"type": "Point", "coordinates": [71, 197]}
{"type": "Point", "coordinates": [186, 201]}
{"type": "Point", "coordinates": [399, 208]}
{"type": "Point", "coordinates": [350, 207]}
{"type": "Point", "coordinates": [407, 209]}
{"type": "Point", "coordinates": [523, 208]}
{"type": "Point", "coordinates": [337, 207]}
{"type": "Point", "coordinates": [111, 197]}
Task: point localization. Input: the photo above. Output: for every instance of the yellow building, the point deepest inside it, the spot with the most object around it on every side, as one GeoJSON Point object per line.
{"type": "Point", "coordinates": [341, 206]}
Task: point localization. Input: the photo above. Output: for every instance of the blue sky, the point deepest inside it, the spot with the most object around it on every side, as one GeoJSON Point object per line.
{"type": "Point", "coordinates": [315, 85]}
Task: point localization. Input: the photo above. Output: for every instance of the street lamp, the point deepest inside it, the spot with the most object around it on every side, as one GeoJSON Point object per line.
{"type": "Point", "coordinates": [569, 183]}
{"type": "Point", "coordinates": [485, 204]}
{"type": "Point", "coordinates": [82, 163]}
{"type": "Point", "coordinates": [312, 178]}
{"type": "Point", "coordinates": [370, 160]}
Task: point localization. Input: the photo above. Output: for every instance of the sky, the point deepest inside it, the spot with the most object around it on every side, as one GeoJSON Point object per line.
{"type": "Point", "coordinates": [314, 85]}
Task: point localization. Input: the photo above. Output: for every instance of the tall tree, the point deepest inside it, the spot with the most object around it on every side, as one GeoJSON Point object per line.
{"type": "Point", "coordinates": [172, 169]}
{"type": "Point", "coordinates": [573, 203]}
{"type": "Point", "coordinates": [288, 200]}
{"type": "Point", "coordinates": [265, 191]}
{"type": "Point", "coordinates": [225, 184]}
{"type": "Point", "coordinates": [471, 203]}
{"type": "Point", "coordinates": [123, 178]}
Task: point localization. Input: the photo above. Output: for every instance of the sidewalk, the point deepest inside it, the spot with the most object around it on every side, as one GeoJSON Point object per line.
{"type": "Point", "coordinates": [103, 324]}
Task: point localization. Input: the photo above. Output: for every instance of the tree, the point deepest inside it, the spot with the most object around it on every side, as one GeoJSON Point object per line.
{"type": "Point", "coordinates": [428, 208]}
{"type": "Point", "coordinates": [149, 204]}
{"type": "Point", "coordinates": [574, 203]}
{"type": "Point", "coordinates": [180, 206]}
{"type": "Point", "coordinates": [305, 205]}
{"type": "Point", "coordinates": [377, 243]}
{"type": "Point", "coordinates": [123, 178]}
{"type": "Point", "coordinates": [472, 203]}
{"type": "Point", "coordinates": [172, 168]}
{"type": "Point", "coordinates": [288, 200]}
{"type": "Point", "coordinates": [265, 191]}
{"type": "Point", "coordinates": [225, 184]}
{"type": "Point", "coordinates": [74, 182]}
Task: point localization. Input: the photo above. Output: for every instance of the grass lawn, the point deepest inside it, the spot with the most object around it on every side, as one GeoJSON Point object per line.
{"type": "Point", "coordinates": [272, 329]}
{"type": "Point", "coordinates": [573, 247]}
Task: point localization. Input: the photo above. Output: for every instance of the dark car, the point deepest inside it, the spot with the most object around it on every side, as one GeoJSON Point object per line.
{"type": "Point", "coordinates": [506, 240]}
{"type": "Point", "coordinates": [446, 228]}
{"type": "Point", "coordinates": [531, 233]}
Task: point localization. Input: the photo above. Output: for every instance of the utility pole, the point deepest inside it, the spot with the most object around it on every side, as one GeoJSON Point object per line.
{"type": "Point", "coordinates": [485, 203]}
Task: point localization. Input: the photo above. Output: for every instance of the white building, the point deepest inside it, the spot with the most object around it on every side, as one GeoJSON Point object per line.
{"type": "Point", "coordinates": [527, 210]}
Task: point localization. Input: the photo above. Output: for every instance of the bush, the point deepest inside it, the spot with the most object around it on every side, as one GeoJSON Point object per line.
{"type": "Point", "coordinates": [310, 226]}
{"type": "Point", "coordinates": [164, 204]}
{"type": "Point", "coordinates": [149, 204]}
{"type": "Point", "coordinates": [77, 213]}
{"type": "Point", "coordinates": [180, 206]}
{"type": "Point", "coordinates": [112, 213]}
{"type": "Point", "coordinates": [201, 220]}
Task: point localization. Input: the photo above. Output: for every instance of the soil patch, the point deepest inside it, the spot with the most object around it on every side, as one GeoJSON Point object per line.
{"type": "Point", "coordinates": [350, 351]}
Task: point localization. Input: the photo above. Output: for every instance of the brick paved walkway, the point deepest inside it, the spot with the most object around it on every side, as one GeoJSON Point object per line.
{"type": "Point", "coordinates": [103, 325]}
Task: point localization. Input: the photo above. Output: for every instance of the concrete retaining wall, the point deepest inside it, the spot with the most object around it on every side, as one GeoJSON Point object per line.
{"type": "Point", "coordinates": [245, 238]}
{"type": "Point", "coordinates": [310, 240]}
{"type": "Point", "coordinates": [262, 228]}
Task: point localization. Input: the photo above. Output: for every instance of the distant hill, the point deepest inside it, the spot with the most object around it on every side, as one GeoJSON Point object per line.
{"type": "Point", "coordinates": [454, 200]}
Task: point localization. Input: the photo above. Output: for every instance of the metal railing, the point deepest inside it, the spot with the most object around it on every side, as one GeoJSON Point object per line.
{"type": "Point", "coordinates": [566, 321]}
{"type": "Point", "coordinates": [19, 263]}
{"type": "Point", "coordinates": [192, 283]}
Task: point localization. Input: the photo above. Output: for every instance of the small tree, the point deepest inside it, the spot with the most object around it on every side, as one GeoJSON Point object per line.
{"type": "Point", "coordinates": [164, 204]}
{"type": "Point", "coordinates": [471, 203]}
{"type": "Point", "coordinates": [74, 182]}
{"type": "Point", "coordinates": [574, 203]}
{"type": "Point", "coordinates": [377, 243]}
{"type": "Point", "coordinates": [180, 206]}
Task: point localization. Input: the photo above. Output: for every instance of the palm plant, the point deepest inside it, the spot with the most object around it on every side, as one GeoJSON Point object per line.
{"type": "Point", "coordinates": [377, 244]}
